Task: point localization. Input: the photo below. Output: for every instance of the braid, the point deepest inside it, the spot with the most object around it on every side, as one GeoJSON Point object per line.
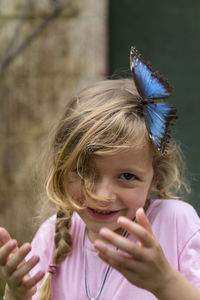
{"type": "Point", "coordinates": [63, 244]}
{"type": "Point", "coordinates": [62, 239]}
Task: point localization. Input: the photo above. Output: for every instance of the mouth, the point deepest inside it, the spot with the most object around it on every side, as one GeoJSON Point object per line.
{"type": "Point", "coordinates": [102, 214]}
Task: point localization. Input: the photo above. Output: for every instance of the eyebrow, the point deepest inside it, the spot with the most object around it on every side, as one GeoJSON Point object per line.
{"type": "Point", "coordinates": [132, 170]}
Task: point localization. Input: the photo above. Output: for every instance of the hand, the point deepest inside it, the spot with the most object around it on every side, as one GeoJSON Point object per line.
{"type": "Point", "coordinates": [144, 263]}
{"type": "Point", "coordinates": [15, 270]}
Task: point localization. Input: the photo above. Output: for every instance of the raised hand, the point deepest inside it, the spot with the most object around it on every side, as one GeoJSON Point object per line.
{"type": "Point", "coordinates": [144, 263]}
{"type": "Point", "coordinates": [15, 270]}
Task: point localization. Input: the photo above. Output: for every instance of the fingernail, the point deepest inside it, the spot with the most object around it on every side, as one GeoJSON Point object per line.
{"type": "Point", "coordinates": [41, 274]}
{"type": "Point", "coordinates": [122, 220]}
{"type": "Point", "coordinates": [26, 247]}
{"type": "Point", "coordinates": [140, 210]}
{"type": "Point", "coordinates": [12, 243]}
{"type": "Point", "coordinates": [98, 244]}
{"type": "Point", "coordinates": [103, 231]}
{"type": "Point", "coordinates": [35, 259]}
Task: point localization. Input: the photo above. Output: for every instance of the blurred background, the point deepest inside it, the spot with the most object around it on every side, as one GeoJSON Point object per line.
{"type": "Point", "coordinates": [50, 49]}
{"type": "Point", "coordinates": [167, 33]}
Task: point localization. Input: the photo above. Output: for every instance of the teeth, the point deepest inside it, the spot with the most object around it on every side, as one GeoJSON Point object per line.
{"type": "Point", "coordinates": [102, 212]}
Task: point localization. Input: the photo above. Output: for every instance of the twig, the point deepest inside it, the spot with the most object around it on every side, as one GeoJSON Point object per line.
{"type": "Point", "coordinates": [11, 56]}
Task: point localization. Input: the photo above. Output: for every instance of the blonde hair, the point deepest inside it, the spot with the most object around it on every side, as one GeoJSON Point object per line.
{"type": "Point", "coordinates": [103, 119]}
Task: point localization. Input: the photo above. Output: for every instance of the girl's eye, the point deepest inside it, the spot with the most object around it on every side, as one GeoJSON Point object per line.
{"type": "Point", "coordinates": [128, 176]}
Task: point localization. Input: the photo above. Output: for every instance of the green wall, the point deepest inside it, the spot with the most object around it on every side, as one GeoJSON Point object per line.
{"type": "Point", "coordinates": [168, 35]}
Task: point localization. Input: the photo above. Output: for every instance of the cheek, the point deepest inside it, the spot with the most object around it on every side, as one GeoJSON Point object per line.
{"type": "Point", "coordinates": [75, 190]}
{"type": "Point", "coordinates": [135, 199]}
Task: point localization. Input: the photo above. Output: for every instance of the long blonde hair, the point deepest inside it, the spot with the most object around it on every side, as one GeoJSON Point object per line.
{"type": "Point", "coordinates": [104, 118]}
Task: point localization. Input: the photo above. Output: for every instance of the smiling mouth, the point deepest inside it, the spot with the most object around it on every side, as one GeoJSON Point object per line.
{"type": "Point", "coordinates": [102, 214]}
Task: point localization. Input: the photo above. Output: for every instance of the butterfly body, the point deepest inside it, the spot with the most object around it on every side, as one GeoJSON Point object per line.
{"type": "Point", "coordinates": [152, 88]}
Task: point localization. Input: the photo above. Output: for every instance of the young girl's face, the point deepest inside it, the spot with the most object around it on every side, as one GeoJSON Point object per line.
{"type": "Point", "coordinates": [125, 178]}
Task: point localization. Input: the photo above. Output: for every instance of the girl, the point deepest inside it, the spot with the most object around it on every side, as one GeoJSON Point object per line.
{"type": "Point", "coordinates": [114, 176]}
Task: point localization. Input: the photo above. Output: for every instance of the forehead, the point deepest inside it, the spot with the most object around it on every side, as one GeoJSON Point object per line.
{"type": "Point", "coordinates": [141, 158]}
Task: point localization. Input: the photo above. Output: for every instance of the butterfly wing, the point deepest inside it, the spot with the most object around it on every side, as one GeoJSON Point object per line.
{"type": "Point", "coordinates": [150, 85]}
{"type": "Point", "coordinates": [159, 117]}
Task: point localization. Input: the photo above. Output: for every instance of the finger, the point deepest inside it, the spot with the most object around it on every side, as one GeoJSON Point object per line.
{"type": "Point", "coordinates": [143, 220]}
{"type": "Point", "coordinates": [6, 250]}
{"type": "Point", "coordinates": [29, 284]}
{"type": "Point", "coordinates": [109, 261]}
{"type": "Point", "coordinates": [123, 244]}
{"type": "Point", "coordinates": [108, 253]}
{"type": "Point", "coordinates": [4, 236]}
{"type": "Point", "coordinates": [32, 281]}
{"type": "Point", "coordinates": [115, 258]}
{"type": "Point", "coordinates": [17, 258]}
{"type": "Point", "coordinates": [20, 273]}
{"type": "Point", "coordinates": [144, 237]}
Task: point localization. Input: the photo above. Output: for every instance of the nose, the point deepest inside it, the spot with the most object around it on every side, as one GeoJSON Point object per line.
{"type": "Point", "coordinates": [105, 188]}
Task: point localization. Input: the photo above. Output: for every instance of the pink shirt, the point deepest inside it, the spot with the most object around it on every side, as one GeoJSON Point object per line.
{"type": "Point", "coordinates": [176, 226]}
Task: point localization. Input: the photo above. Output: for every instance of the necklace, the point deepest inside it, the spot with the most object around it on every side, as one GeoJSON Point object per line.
{"type": "Point", "coordinates": [124, 234]}
{"type": "Point", "coordinates": [85, 274]}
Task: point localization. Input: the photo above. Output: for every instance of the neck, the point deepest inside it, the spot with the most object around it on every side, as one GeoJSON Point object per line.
{"type": "Point", "coordinates": [93, 236]}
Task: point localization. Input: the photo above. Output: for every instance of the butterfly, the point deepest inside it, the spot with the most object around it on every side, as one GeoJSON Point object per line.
{"type": "Point", "coordinates": [153, 88]}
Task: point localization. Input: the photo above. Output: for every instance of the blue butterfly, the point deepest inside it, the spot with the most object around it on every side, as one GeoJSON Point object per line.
{"type": "Point", "coordinates": [152, 87]}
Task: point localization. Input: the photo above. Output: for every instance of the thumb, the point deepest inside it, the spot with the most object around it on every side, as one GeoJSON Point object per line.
{"type": "Point", "coordinates": [4, 236]}
{"type": "Point", "coordinates": [143, 220]}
